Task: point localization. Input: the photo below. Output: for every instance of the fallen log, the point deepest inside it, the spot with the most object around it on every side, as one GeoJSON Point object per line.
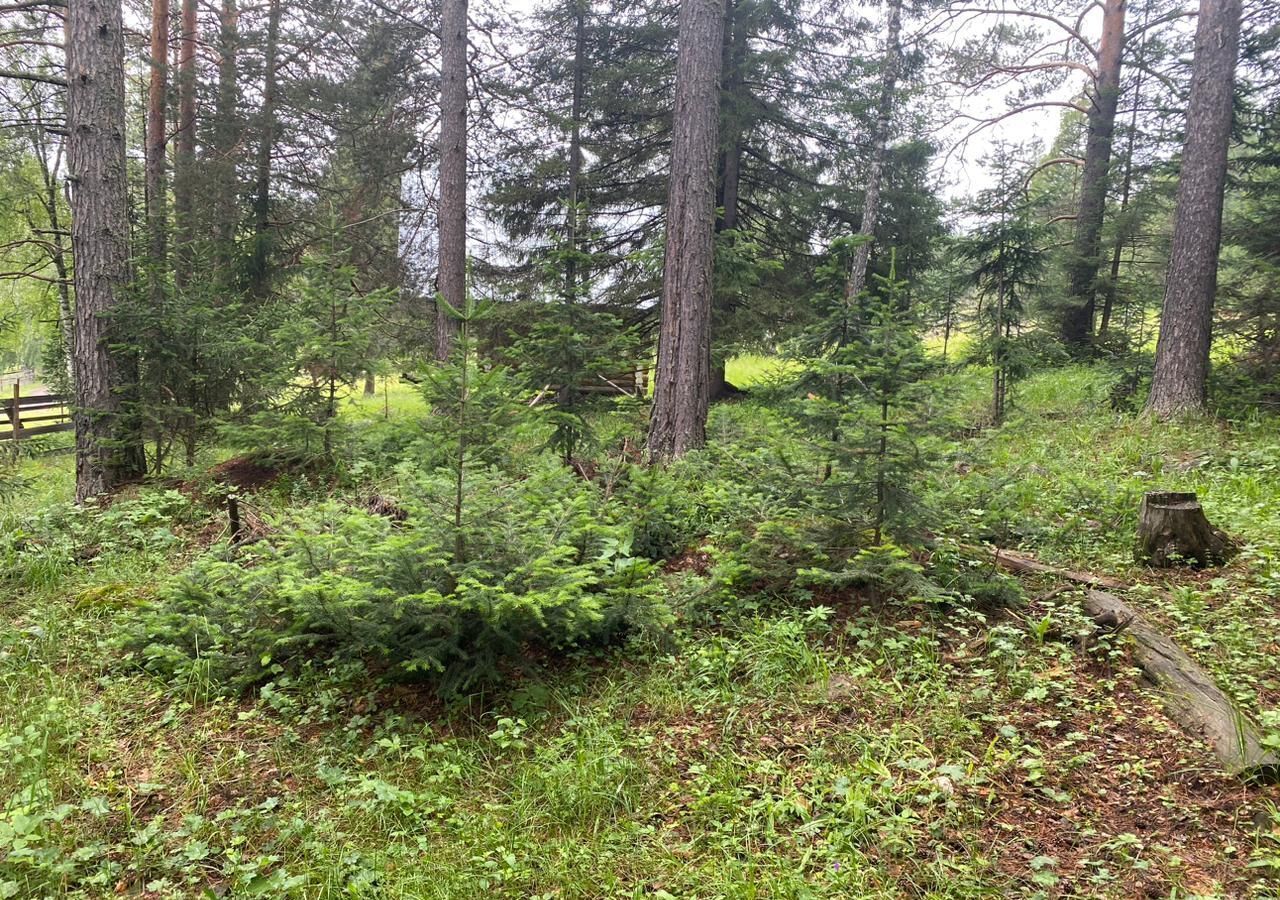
{"type": "Point", "coordinates": [1190, 696]}
{"type": "Point", "coordinates": [1025, 565]}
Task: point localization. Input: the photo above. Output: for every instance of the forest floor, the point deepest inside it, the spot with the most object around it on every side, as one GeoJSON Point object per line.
{"type": "Point", "coordinates": [845, 749]}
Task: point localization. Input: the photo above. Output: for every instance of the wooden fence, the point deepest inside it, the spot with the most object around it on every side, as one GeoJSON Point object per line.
{"type": "Point", "coordinates": [28, 416]}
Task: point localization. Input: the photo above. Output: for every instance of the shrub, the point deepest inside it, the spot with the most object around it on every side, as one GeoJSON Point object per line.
{"type": "Point", "coordinates": [545, 568]}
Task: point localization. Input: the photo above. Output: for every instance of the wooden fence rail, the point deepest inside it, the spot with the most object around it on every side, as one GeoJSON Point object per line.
{"type": "Point", "coordinates": [34, 414]}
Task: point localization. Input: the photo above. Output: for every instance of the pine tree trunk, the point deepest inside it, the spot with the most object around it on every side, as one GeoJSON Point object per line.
{"type": "Point", "coordinates": [681, 395]}
{"type": "Point", "coordinates": [226, 139]}
{"type": "Point", "coordinates": [99, 233]}
{"type": "Point", "coordinates": [729, 176]}
{"type": "Point", "coordinates": [875, 175]}
{"type": "Point", "coordinates": [575, 150]}
{"type": "Point", "coordinates": [157, 144]}
{"type": "Point", "coordinates": [1086, 249]}
{"type": "Point", "coordinates": [185, 151]}
{"type": "Point", "coordinates": [451, 279]}
{"type": "Point", "coordinates": [258, 272]}
{"type": "Point", "coordinates": [1180, 382]}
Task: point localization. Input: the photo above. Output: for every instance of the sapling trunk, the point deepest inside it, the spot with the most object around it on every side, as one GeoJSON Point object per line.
{"type": "Point", "coordinates": [459, 539]}
{"type": "Point", "coordinates": [881, 455]}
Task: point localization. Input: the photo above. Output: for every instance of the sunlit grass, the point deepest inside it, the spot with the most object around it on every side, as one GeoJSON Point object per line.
{"type": "Point", "coordinates": [394, 397]}
{"type": "Point", "coordinates": [751, 369]}
{"type": "Point", "coordinates": [956, 343]}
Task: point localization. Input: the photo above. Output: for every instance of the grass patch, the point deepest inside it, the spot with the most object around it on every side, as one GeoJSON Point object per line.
{"type": "Point", "coordinates": [750, 369]}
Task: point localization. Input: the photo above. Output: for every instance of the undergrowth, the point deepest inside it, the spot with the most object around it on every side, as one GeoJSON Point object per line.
{"type": "Point", "coordinates": [702, 681]}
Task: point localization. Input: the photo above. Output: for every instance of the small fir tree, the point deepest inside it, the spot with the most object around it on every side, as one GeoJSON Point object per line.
{"type": "Point", "coordinates": [322, 332]}
{"type": "Point", "coordinates": [1005, 267]}
{"type": "Point", "coordinates": [474, 405]}
{"type": "Point", "coordinates": [861, 399]}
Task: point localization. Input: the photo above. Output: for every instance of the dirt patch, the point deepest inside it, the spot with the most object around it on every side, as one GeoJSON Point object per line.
{"type": "Point", "coordinates": [245, 474]}
{"type": "Point", "coordinates": [692, 560]}
{"type": "Point", "coordinates": [1137, 790]}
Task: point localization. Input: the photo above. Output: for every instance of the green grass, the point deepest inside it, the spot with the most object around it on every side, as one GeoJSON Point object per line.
{"type": "Point", "coordinates": [394, 397]}
{"type": "Point", "coordinates": [791, 758]}
{"type": "Point", "coordinates": [888, 749]}
{"type": "Point", "coordinates": [751, 369]}
{"type": "Point", "coordinates": [1065, 478]}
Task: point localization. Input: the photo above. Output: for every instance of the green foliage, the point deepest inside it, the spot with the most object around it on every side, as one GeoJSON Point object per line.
{"type": "Point", "coordinates": [852, 714]}
{"type": "Point", "coordinates": [320, 337]}
{"type": "Point", "coordinates": [565, 347]}
{"type": "Point", "coordinates": [543, 567]}
{"type": "Point", "coordinates": [49, 546]}
{"type": "Point", "coordinates": [860, 401]}
{"type": "Point", "coordinates": [1006, 266]}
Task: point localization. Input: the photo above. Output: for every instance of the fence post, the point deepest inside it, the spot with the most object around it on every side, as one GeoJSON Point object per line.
{"type": "Point", "coordinates": [17, 414]}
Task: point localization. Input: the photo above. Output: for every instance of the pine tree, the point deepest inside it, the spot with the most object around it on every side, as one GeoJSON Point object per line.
{"type": "Point", "coordinates": [682, 380]}
{"type": "Point", "coordinates": [1180, 382]}
{"type": "Point", "coordinates": [106, 452]}
{"type": "Point", "coordinates": [1006, 265]}
{"type": "Point", "coordinates": [451, 278]}
{"type": "Point", "coordinates": [863, 364]}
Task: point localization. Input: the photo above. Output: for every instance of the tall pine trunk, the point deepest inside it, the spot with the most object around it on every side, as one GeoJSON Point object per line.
{"type": "Point", "coordinates": [451, 278]}
{"type": "Point", "coordinates": [259, 279]}
{"type": "Point", "coordinates": [99, 236]}
{"type": "Point", "coordinates": [1086, 247]}
{"type": "Point", "coordinates": [729, 174]}
{"type": "Point", "coordinates": [678, 422]}
{"type": "Point", "coordinates": [891, 67]}
{"type": "Point", "coordinates": [1180, 382]}
{"type": "Point", "coordinates": [185, 150]}
{"type": "Point", "coordinates": [157, 145]}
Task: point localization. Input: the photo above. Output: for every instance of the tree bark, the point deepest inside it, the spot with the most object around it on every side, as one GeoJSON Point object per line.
{"type": "Point", "coordinates": [1189, 694]}
{"type": "Point", "coordinates": [185, 155]}
{"type": "Point", "coordinates": [729, 175]}
{"type": "Point", "coordinates": [451, 280]}
{"type": "Point", "coordinates": [892, 66]}
{"type": "Point", "coordinates": [226, 141]}
{"type": "Point", "coordinates": [681, 394]}
{"type": "Point", "coordinates": [99, 235]}
{"type": "Point", "coordinates": [157, 145]}
{"type": "Point", "coordinates": [1086, 248]}
{"type": "Point", "coordinates": [1173, 530]}
{"type": "Point", "coordinates": [259, 279]}
{"type": "Point", "coordinates": [573, 222]}
{"type": "Point", "coordinates": [1180, 382]}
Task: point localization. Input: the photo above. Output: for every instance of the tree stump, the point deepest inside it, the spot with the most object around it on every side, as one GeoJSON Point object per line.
{"type": "Point", "coordinates": [1173, 530]}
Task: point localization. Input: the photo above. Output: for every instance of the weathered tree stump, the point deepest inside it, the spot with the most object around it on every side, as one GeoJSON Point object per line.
{"type": "Point", "coordinates": [1173, 530]}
